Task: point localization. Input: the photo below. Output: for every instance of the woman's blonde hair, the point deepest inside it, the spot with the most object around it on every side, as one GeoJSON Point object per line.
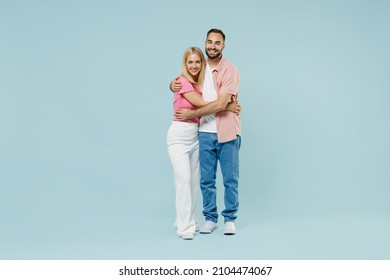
{"type": "Point", "coordinates": [200, 78]}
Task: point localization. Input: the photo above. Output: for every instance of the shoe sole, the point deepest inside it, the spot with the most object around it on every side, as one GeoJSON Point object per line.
{"type": "Point", "coordinates": [229, 233]}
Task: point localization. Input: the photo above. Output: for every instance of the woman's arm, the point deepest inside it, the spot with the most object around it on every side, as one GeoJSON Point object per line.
{"type": "Point", "coordinates": [195, 99]}
{"type": "Point", "coordinates": [211, 108]}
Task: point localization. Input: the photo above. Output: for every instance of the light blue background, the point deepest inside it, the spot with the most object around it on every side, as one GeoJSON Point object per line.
{"type": "Point", "coordinates": [85, 106]}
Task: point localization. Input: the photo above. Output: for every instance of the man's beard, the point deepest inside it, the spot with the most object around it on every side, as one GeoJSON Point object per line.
{"type": "Point", "coordinates": [217, 54]}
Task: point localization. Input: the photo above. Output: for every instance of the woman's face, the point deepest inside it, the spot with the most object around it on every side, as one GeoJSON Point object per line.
{"type": "Point", "coordinates": [193, 64]}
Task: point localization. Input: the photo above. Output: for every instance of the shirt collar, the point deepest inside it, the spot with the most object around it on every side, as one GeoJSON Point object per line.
{"type": "Point", "coordinates": [219, 66]}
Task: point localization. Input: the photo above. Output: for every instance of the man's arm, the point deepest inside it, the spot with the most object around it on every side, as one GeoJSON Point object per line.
{"type": "Point", "coordinates": [211, 108]}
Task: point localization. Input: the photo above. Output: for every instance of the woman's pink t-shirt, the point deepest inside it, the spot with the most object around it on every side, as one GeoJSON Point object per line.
{"type": "Point", "coordinates": [180, 102]}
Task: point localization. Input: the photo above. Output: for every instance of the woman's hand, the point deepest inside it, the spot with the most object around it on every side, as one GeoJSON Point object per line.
{"type": "Point", "coordinates": [234, 107]}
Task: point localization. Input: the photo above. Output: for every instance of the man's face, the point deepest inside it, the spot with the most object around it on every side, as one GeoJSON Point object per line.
{"type": "Point", "coordinates": [214, 45]}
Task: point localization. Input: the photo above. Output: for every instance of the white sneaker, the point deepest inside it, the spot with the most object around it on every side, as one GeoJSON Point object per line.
{"type": "Point", "coordinates": [208, 227]}
{"type": "Point", "coordinates": [188, 236]}
{"type": "Point", "coordinates": [229, 228]}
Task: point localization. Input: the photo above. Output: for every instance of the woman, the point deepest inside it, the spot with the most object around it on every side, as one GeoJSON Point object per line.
{"type": "Point", "coordinates": [182, 141]}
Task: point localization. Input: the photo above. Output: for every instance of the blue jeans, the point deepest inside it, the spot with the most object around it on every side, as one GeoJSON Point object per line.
{"type": "Point", "coordinates": [210, 151]}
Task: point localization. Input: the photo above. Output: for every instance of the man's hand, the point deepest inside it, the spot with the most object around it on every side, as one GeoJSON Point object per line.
{"type": "Point", "coordinates": [175, 85]}
{"type": "Point", "coordinates": [184, 114]}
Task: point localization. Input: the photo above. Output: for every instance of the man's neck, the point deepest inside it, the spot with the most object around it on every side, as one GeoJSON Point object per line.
{"type": "Point", "coordinates": [214, 61]}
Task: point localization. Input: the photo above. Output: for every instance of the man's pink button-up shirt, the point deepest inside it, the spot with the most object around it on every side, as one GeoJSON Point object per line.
{"type": "Point", "coordinates": [226, 79]}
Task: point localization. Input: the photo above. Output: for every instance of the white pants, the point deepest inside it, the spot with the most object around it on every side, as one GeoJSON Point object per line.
{"type": "Point", "coordinates": [183, 149]}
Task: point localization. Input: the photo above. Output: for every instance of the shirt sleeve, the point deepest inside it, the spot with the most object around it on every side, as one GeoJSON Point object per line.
{"type": "Point", "coordinates": [186, 86]}
{"type": "Point", "coordinates": [230, 80]}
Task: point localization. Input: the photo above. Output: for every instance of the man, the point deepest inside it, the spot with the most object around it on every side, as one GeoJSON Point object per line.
{"type": "Point", "coordinates": [219, 134]}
